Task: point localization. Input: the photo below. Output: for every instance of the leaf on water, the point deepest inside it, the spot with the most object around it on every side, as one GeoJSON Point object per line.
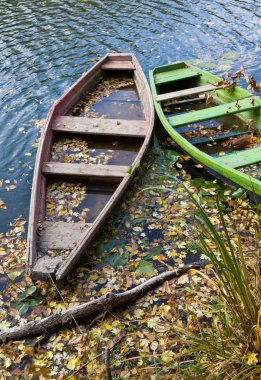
{"type": "Point", "coordinates": [2, 204]}
{"type": "Point", "coordinates": [4, 325]}
{"type": "Point", "coordinates": [13, 275]}
{"type": "Point", "coordinates": [138, 220]}
{"type": "Point", "coordinates": [230, 55]}
{"type": "Point", "coordinates": [23, 309]}
{"type": "Point", "coordinates": [145, 267]}
{"type": "Point", "coordinates": [115, 259]}
{"type": "Point", "coordinates": [154, 252]}
{"type": "Point", "coordinates": [171, 156]}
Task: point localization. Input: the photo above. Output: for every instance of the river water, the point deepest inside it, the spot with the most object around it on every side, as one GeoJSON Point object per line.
{"type": "Point", "coordinates": [46, 45]}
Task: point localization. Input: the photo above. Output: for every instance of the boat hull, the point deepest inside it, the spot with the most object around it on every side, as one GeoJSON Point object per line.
{"type": "Point", "coordinates": [75, 236]}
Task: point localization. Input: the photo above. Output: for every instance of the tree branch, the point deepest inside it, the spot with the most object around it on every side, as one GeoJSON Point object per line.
{"type": "Point", "coordinates": [92, 308]}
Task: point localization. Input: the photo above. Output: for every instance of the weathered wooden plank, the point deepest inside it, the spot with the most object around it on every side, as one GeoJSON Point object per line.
{"type": "Point", "coordinates": [224, 136]}
{"type": "Point", "coordinates": [105, 127]}
{"type": "Point", "coordinates": [241, 158]}
{"type": "Point", "coordinates": [85, 170]}
{"type": "Point", "coordinates": [118, 65]}
{"type": "Point", "coordinates": [187, 92]}
{"type": "Point", "coordinates": [175, 75]}
{"type": "Point", "coordinates": [60, 235]}
{"type": "Point", "coordinates": [213, 112]}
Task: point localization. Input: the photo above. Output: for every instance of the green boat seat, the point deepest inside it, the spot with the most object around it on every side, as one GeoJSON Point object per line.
{"type": "Point", "coordinates": [175, 75]}
{"type": "Point", "coordinates": [240, 159]}
{"type": "Point", "coordinates": [186, 92]}
{"type": "Point", "coordinates": [224, 136]}
{"type": "Point", "coordinates": [213, 112]}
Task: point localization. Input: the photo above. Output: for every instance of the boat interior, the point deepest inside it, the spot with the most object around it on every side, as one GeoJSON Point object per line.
{"type": "Point", "coordinates": [209, 118]}
{"type": "Point", "coordinates": [94, 142]}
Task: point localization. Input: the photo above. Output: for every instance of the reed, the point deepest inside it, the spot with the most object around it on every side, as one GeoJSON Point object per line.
{"type": "Point", "coordinates": [231, 348]}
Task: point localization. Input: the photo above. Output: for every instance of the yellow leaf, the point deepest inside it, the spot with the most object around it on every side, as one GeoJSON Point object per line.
{"type": "Point", "coordinates": [71, 364]}
{"type": "Point", "coordinates": [167, 287]}
{"type": "Point", "coordinates": [251, 358]}
{"type": "Point", "coordinates": [108, 327]}
{"type": "Point", "coordinates": [192, 272]}
{"type": "Point", "coordinates": [28, 154]}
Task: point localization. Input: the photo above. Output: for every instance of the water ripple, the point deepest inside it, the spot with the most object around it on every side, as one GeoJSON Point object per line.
{"type": "Point", "coordinates": [45, 46]}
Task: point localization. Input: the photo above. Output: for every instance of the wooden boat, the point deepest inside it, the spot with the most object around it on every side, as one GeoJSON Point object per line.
{"type": "Point", "coordinates": [215, 135]}
{"type": "Point", "coordinates": [114, 138]}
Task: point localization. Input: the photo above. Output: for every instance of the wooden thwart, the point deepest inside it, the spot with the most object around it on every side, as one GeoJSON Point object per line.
{"type": "Point", "coordinates": [105, 127]}
{"type": "Point", "coordinates": [213, 112]}
{"type": "Point", "coordinates": [60, 235]}
{"type": "Point", "coordinates": [205, 140]}
{"type": "Point", "coordinates": [118, 65]}
{"type": "Point", "coordinates": [89, 170]}
{"type": "Point", "coordinates": [187, 92]}
{"type": "Point", "coordinates": [175, 75]}
{"type": "Point", "coordinates": [241, 159]}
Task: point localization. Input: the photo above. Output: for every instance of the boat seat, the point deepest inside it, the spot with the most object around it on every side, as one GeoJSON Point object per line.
{"type": "Point", "coordinates": [206, 140]}
{"type": "Point", "coordinates": [240, 159]}
{"type": "Point", "coordinates": [118, 65]}
{"type": "Point", "coordinates": [106, 172]}
{"type": "Point", "coordinates": [212, 112]}
{"type": "Point", "coordinates": [175, 75]}
{"type": "Point", "coordinates": [187, 92]}
{"type": "Point", "coordinates": [60, 235]}
{"type": "Point", "coordinates": [104, 127]}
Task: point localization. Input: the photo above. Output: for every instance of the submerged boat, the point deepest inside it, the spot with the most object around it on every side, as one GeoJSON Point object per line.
{"type": "Point", "coordinates": [216, 124]}
{"type": "Point", "coordinates": [94, 139]}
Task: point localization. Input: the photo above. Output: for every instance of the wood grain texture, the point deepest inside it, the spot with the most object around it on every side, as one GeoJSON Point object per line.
{"type": "Point", "coordinates": [85, 170]}
{"type": "Point", "coordinates": [60, 235]}
{"type": "Point", "coordinates": [104, 127]}
{"type": "Point", "coordinates": [241, 158]}
{"type": "Point", "coordinates": [118, 65]}
{"type": "Point", "coordinates": [186, 92]}
{"type": "Point", "coordinates": [213, 112]}
{"type": "Point", "coordinates": [175, 75]}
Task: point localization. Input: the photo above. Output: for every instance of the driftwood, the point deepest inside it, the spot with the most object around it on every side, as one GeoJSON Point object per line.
{"type": "Point", "coordinates": [90, 309]}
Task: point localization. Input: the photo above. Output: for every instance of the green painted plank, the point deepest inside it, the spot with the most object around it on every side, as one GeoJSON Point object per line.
{"type": "Point", "coordinates": [213, 112]}
{"type": "Point", "coordinates": [218, 138]}
{"type": "Point", "coordinates": [175, 75]}
{"type": "Point", "coordinates": [241, 158]}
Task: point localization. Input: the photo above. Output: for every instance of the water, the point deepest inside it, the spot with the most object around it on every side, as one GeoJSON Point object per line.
{"type": "Point", "coordinates": [45, 46]}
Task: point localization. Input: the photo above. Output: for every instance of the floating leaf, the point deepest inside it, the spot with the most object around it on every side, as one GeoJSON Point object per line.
{"type": "Point", "coordinates": [145, 267]}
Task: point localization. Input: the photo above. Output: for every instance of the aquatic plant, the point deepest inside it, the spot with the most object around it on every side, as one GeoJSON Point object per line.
{"type": "Point", "coordinates": [231, 348]}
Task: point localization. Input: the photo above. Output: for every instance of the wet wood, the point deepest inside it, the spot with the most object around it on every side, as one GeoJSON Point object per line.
{"type": "Point", "coordinates": [104, 127]}
{"type": "Point", "coordinates": [175, 75]}
{"type": "Point", "coordinates": [187, 92]}
{"type": "Point", "coordinates": [241, 158]}
{"type": "Point", "coordinates": [213, 112]}
{"type": "Point", "coordinates": [108, 172]}
{"type": "Point", "coordinates": [241, 142]}
{"type": "Point", "coordinates": [90, 309]}
{"type": "Point", "coordinates": [60, 235]}
{"type": "Point", "coordinates": [118, 65]}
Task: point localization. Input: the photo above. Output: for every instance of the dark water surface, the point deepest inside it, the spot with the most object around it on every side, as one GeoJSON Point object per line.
{"type": "Point", "coordinates": [46, 45]}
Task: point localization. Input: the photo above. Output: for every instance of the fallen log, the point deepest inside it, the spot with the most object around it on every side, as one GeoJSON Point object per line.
{"type": "Point", "coordinates": [92, 308]}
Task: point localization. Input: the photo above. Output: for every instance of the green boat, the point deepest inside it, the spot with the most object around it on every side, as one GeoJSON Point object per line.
{"type": "Point", "coordinates": [218, 125]}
